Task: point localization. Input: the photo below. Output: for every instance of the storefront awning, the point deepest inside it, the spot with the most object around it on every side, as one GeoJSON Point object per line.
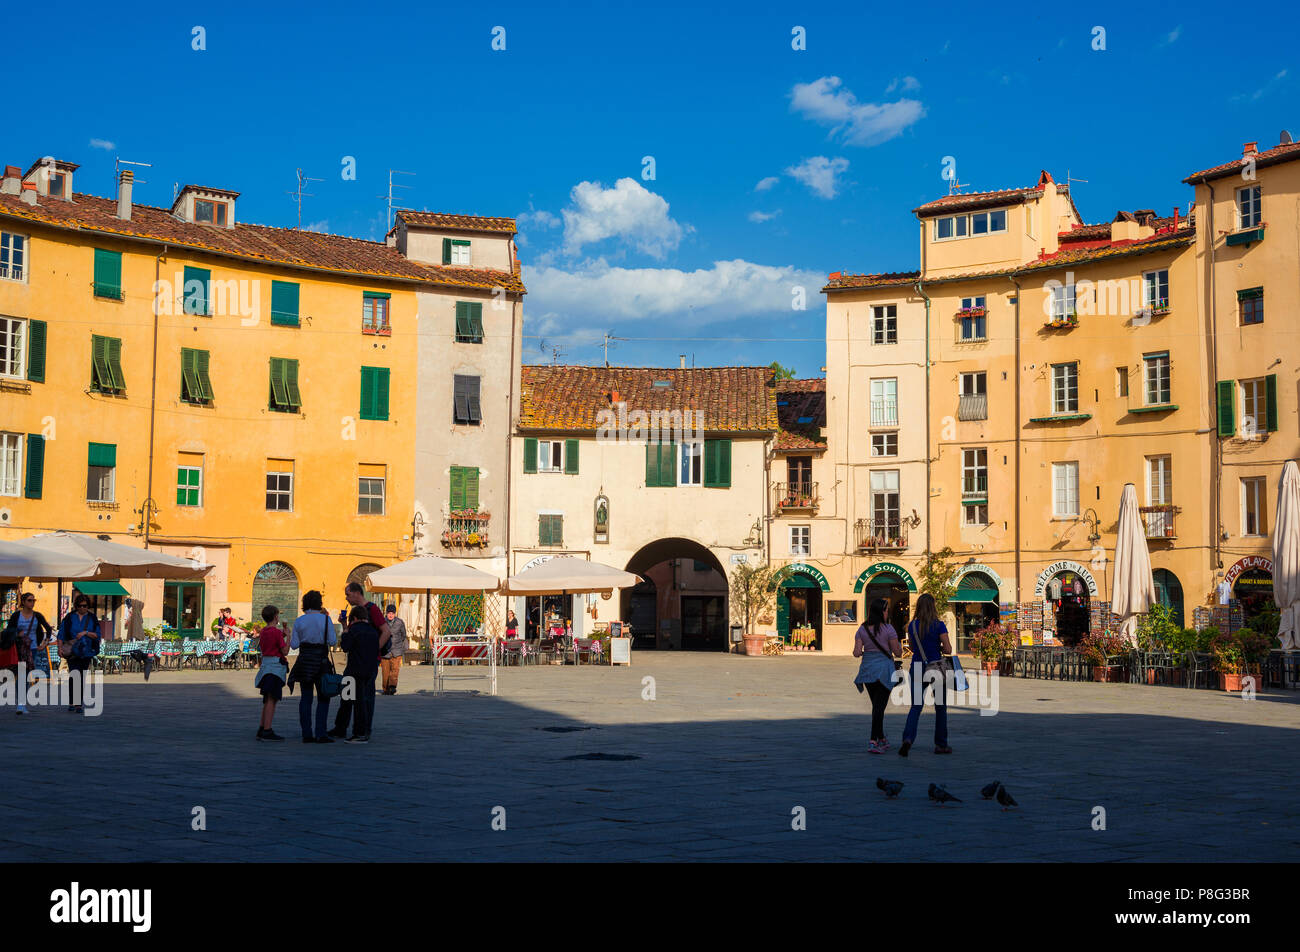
{"type": "Point", "coordinates": [100, 588]}
{"type": "Point", "coordinates": [975, 595]}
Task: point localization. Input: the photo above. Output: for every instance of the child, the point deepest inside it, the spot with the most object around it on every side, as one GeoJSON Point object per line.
{"type": "Point", "coordinates": [273, 671]}
{"type": "Point", "coordinates": [361, 642]}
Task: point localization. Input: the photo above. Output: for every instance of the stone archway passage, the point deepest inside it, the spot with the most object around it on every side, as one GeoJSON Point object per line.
{"type": "Point", "coordinates": [691, 609]}
{"type": "Point", "coordinates": [360, 574]}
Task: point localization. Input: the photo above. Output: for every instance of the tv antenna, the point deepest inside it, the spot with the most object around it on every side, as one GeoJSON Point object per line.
{"type": "Point", "coordinates": [299, 194]}
{"type": "Point", "coordinates": [389, 197]}
{"type": "Point", "coordinates": [1069, 180]}
{"type": "Point", "coordinates": [606, 345]}
{"type": "Point", "coordinates": [117, 170]}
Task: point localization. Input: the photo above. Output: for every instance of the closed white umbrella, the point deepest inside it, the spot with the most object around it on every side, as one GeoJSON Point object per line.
{"type": "Point", "coordinates": [1134, 591]}
{"type": "Point", "coordinates": [19, 561]}
{"type": "Point", "coordinates": [566, 575]}
{"type": "Point", "coordinates": [115, 560]}
{"type": "Point", "coordinates": [1286, 555]}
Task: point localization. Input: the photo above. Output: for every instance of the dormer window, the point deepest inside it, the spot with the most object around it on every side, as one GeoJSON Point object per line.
{"type": "Point", "coordinates": [58, 185]}
{"type": "Point", "coordinates": [205, 206]}
{"type": "Point", "coordinates": [209, 212]}
{"type": "Point", "coordinates": [968, 226]}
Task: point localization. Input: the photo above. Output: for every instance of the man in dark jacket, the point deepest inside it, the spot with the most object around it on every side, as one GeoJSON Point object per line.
{"type": "Point", "coordinates": [361, 642]}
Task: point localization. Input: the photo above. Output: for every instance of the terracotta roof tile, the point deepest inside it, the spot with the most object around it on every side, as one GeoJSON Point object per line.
{"type": "Point", "coordinates": [1285, 152]}
{"type": "Point", "coordinates": [977, 200]}
{"type": "Point", "coordinates": [570, 398]}
{"type": "Point", "coordinates": [842, 281]}
{"type": "Point", "coordinates": [801, 400]}
{"type": "Point", "coordinates": [459, 222]}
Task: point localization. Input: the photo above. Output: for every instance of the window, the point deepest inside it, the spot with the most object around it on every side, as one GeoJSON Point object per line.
{"type": "Point", "coordinates": [106, 363]}
{"type": "Point", "coordinates": [972, 318]}
{"type": "Point", "coordinates": [1155, 288]}
{"type": "Point", "coordinates": [884, 501]}
{"type": "Point", "coordinates": [1121, 381]}
{"type": "Point", "coordinates": [285, 396]}
{"type": "Point", "coordinates": [1156, 371]}
{"type": "Point", "coordinates": [455, 251]}
{"type": "Point", "coordinates": [101, 472]}
{"type": "Point", "coordinates": [801, 540]}
{"type": "Point", "coordinates": [1254, 407]}
{"type": "Point", "coordinates": [13, 347]}
{"type": "Point", "coordinates": [1248, 207]}
{"type": "Point", "coordinates": [550, 456]}
{"type": "Point", "coordinates": [1063, 305]}
{"type": "Point", "coordinates": [1065, 490]}
{"type": "Point", "coordinates": [798, 471]}
{"type": "Point", "coordinates": [374, 393]}
{"type": "Point", "coordinates": [975, 472]}
{"type": "Point", "coordinates": [550, 528]}
{"type": "Point", "coordinates": [884, 324]}
{"type": "Point", "coordinates": [983, 223]}
{"type": "Point", "coordinates": [884, 444]}
{"type": "Point", "coordinates": [1253, 500]}
{"type": "Point", "coordinates": [284, 303]}
{"type": "Point", "coordinates": [209, 212]}
{"type": "Point", "coordinates": [1160, 481]}
{"type": "Point", "coordinates": [370, 496]}
{"type": "Point", "coordinates": [58, 183]}
{"type": "Point", "coordinates": [975, 514]}
{"type": "Point", "coordinates": [692, 463]}
{"type": "Point", "coordinates": [465, 401]}
{"type": "Point", "coordinates": [973, 383]}
{"type": "Point", "coordinates": [279, 486]}
{"type": "Point", "coordinates": [463, 488]}
{"type": "Point", "coordinates": [108, 274]}
{"type": "Point", "coordinates": [374, 312]}
{"type": "Point", "coordinates": [950, 227]}
{"type": "Point", "coordinates": [1251, 302]}
{"type": "Point", "coordinates": [1065, 388]}
{"type": "Point", "coordinates": [11, 464]}
{"type": "Point", "coordinates": [13, 256]}
{"type": "Point", "coordinates": [884, 402]}
{"type": "Point", "coordinates": [196, 385]}
{"type": "Point", "coordinates": [469, 322]}
{"type": "Point", "coordinates": [972, 402]}
{"type": "Point", "coordinates": [189, 485]}
{"type": "Point", "coordinates": [195, 296]}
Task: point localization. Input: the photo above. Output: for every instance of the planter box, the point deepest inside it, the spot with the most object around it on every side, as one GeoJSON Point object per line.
{"type": "Point", "coordinates": [1111, 673]}
{"type": "Point", "coordinates": [754, 645]}
{"type": "Point", "coordinates": [1230, 682]}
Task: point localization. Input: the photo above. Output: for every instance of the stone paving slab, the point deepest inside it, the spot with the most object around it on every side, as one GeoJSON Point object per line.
{"type": "Point", "coordinates": [728, 749]}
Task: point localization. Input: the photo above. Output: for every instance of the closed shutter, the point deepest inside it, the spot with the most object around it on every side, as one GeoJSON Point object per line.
{"type": "Point", "coordinates": [543, 530]}
{"type": "Point", "coordinates": [457, 498]}
{"type": "Point", "coordinates": [724, 463]}
{"type": "Point", "coordinates": [367, 393]}
{"type": "Point", "coordinates": [284, 303]}
{"type": "Point", "coordinates": [660, 464]}
{"type": "Point", "coordinates": [446, 251]}
{"type": "Point", "coordinates": [108, 273]}
{"type": "Point", "coordinates": [35, 466]}
{"type": "Point", "coordinates": [381, 393]}
{"type": "Point", "coordinates": [530, 455]}
{"type": "Point", "coordinates": [717, 463]}
{"type": "Point", "coordinates": [102, 454]}
{"type": "Point", "coordinates": [570, 456]}
{"type": "Point", "coordinates": [195, 295]}
{"type": "Point", "coordinates": [1270, 397]}
{"type": "Point", "coordinates": [36, 334]}
{"type": "Point", "coordinates": [471, 487]}
{"type": "Point", "coordinates": [201, 372]}
{"type": "Point", "coordinates": [1227, 407]}
{"type": "Point", "coordinates": [651, 464]}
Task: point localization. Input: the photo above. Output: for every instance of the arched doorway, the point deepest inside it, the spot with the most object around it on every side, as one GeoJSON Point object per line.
{"type": "Point", "coordinates": [892, 582]}
{"type": "Point", "coordinates": [276, 583]}
{"type": "Point", "coordinates": [688, 594]}
{"type": "Point", "coordinates": [360, 574]}
{"type": "Point", "coordinates": [799, 595]}
{"type": "Point", "coordinates": [1069, 598]}
{"type": "Point", "coordinates": [1169, 592]}
{"type": "Point", "coordinates": [975, 603]}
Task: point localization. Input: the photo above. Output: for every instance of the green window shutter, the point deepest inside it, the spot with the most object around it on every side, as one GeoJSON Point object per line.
{"type": "Point", "coordinates": [291, 384]}
{"type": "Point", "coordinates": [201, 372]}
{"type": "Point", "coordinates": [381, 393]}
{"type": "Point", "coordinates": [471, 487]}
{"type": "Point", "coordinates": [457, 500]}
{"type": "Point", "coordinates": [462, 320]}
{"type": "Point", "coordinates": [191, 389]}
{"type": "Point", "coordinates": [279, 395]}
{"type": "Point", "coordinates": [35, 466]}
{"type": "Point", "coordinates": [102, 376]}
{"type": "Point", "coordinates": [668, 464]}
{"type": "Point", "coordinates": [1227, 407]}
{"type": "Point", "coordinates": [530, 455]}
{"type": "Point", "coordinates": [476, 321]}
{"type": "Point", "coordinates": [102, 454]}
{"type": "Point", "coordinates": [115, 363]}
{"type": "Point", "coordinates": [108, 273]}
{"type": "Point", "coordinates": [543, 530]}
{"type": "Point", "coordinates": [1270, 412]}
{"type": "Point", "coordinates": [570, 456]}
{"type": "Point", "coordinates": [367, 393]}
{"type": "Point", "coordinates": [284, 303]}
{"type": "Point", "coordinates": [651, 464]}
{"type": "Point", "coordinates": [195, 296]}
{"type": "Point", "coordinates": [36, 334]}
{"type": "Point", "coordinates": [446, 251]}
{"type": "Point", "coordinates": [710, 462]}
{"type": "Point", "coordinates": [724, 462]}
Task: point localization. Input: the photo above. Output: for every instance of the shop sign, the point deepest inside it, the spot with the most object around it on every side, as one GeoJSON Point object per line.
{"type": "Point", "coordinates": [537, 561]}
{"type": "Point", "coordinates": [979, 567]}
{"type": "Point", "coordinates": [1251, 562]}
{"type": "Point", "coordinates": [1065, 565]}
{"type": "Point", "coordinates": [803, 568]}
{"type": "Point", "coordinates": [874, 570]}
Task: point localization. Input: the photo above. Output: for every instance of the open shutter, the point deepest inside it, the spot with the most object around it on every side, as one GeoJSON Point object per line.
{"type": "Point", "coordinates": [570, 456]}
{"type": "Point", "coordinates": [457, 498]}
{"type": "Point", "coordinates": [530, 455]}
{"type": "Point", "coordinates": [35, 466]}
{"type": "Point", "coordinates": [446, 251]}
{"type": "Point", "coordinates": [1227, 407]}
{"type": "Point", "coordinates": [278, 395]}
{"type": "Point", "coordinates": [475, 314]}
{"type": "Point", "coordinates": [367, 393]}
{"type": "Point", "coordinates": [475, 411]}
{"type": "Point", "coordinates": [291, 384]}
{"type": "Point", "coordinates": [460, 399]}
{"type": "Point", "coordinates": [189, 375]}
{"type": "Point", "coordinates": [36, 334]}
{"type": "Point", "coordinates": [99, 360]}
{"type": "Point", "coordinates": [471, 487]}
{"type": "Point", "coordinates": [115, 363]}
{"type": "Point", "coordinates": [201, 372]}
{"type": "Point", "coordinates": [1270, 412]}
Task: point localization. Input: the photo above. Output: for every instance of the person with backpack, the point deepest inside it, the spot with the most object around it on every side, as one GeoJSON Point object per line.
{"type": "Point", "coordinates": [78, 645]}
{"type": "Point", "coordinates": [876, 643]}
{"type": "Point", "coordinates": [928, 637]}
{"type": "Point", "coordinates": [313, 633]}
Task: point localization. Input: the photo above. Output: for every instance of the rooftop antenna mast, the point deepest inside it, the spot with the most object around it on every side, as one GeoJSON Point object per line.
{"type": "Point", "coordinates": [556, 354]}
{"type": "Point", "coordinates": [1068, 179]}
{"type": "Point", "coordinates": [392, 185]}
{"type": "Point", "coordinates": [299, 194]}
{"type": "Point", "coordinates": [117, 170]}
{"type": "Point", "coordinates": [606, 345]}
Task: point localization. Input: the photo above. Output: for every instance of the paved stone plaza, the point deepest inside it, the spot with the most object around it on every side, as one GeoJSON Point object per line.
{"type": "Point", "coordinates": [728, 748]}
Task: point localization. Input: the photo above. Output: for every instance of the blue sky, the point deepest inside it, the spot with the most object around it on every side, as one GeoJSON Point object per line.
{"type": "Point", "coordinates": [773, 166]}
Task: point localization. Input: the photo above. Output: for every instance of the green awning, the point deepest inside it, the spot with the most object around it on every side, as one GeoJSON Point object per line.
{"type": "Point", "coordinates": [100, 588]}
{"type": "Point", "coordinates": [975, 595]}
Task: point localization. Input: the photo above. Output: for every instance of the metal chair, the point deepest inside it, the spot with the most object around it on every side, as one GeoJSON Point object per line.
{"type": "Point", "coordinates": [590, 647]}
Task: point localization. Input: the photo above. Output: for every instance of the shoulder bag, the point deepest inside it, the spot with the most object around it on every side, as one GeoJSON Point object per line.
{"type": "Point", "coordinates": [945, 663]}
{"type": "Point", "coordinates": [329, 683]}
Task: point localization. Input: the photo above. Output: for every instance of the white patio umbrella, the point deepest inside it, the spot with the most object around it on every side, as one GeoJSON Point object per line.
{"type": "Point", "coordinates": [430, 575]}
{"type": "Point", "coordinates": [1286, 555]}
{"type": "Point", "coordinates": [1134, 591]}
{"type": "Point", "coordinates": [566, 575]}
{"type": "Point", "coordinates": [19, 561]}
{"type": "Point", "coordinates": [115, 560]}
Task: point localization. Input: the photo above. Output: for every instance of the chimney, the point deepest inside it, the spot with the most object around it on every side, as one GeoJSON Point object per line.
{"type": "Point", "coordinates": [1250, 148]}
{"type": "Point", "coordinates": [681, 361]}
{"type": "Point", "coordinates": [1175, 218]}
{"type": "Point", "coordinates": [124, 183]}
{"type": "Point", "coordinates": [11, 184]}
{"type": "Point", "coordinates": [29, 193]}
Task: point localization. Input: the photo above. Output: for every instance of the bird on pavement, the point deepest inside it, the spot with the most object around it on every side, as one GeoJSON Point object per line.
{"type": "Point", "coordinates": [1005, 798]}
{"type": "Point", "coordinates": [941, 796]}
{"type": "Point", "coordinates": [891, 787]}
{"type": "Point", "coordinates": [991, 790]}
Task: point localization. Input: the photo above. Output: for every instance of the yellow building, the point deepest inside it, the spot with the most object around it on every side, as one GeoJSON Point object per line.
{"type": "Point", "coordinates": [241, 394]}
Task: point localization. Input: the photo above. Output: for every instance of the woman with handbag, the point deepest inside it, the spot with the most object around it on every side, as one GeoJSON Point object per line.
{"type": "Point", "coordinates": [876, 643]}
{"type": "Point", "coordinates": [929, 640]}
{"type": "Point", "coordinates": [78, 645]}
{"type": "Point", "coordinates": [313, 634]}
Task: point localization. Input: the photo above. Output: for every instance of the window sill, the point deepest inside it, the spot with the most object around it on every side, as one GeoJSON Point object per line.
{"type": "Point", "coordinates": [1061, 418]}
{"type": "Point", "coordinates": [101, 504]}
{"type": "Point", "coordinates": [469, 340]}
{"type": "Point", "coordinates": [1154, 408]}
{"type": "Point", "coordinates": [972, 340]}
{"type": "Point", "coordinates": [1245, 236]}
{"type": "Point", "coordinates": [14, 385]}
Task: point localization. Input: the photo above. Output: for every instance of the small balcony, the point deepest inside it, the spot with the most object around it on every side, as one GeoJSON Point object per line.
{"type": "Point", "coordinates": [881, 535]}
{"type": "Point", "coordinates": [795, 497]}
{"type": "Point", "coordinates": [1159, 522]}
{"type": "Point", "coordinates": [376, 326]}
{"type": "Point", "coordinates": [884, 413]}
{"type": "Point", "coordinates": [465, 530]}
{"type": "Point", "coordinates": [975, 487]}
{"type": "Point", "coordinates": [973, 406]}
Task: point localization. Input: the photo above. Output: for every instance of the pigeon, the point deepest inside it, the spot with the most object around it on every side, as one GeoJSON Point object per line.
{"type": "Point", "coordinates": [1005, 798]}
{"type": "Point", "coordinates": [891, 787]}
{"type": "Point", "coordinates": [991, 790]}
{"type": "Point", "coordinates": [941, 796]}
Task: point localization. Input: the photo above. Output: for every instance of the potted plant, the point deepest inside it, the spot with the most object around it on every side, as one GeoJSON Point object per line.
{"type": "Point", "coordinates": [1153, 634]}
{"type": "Point", "coordinates": [1229, 659]}
{"type": "Point", "coordinates": [1098, 650]}
{"type": "Point", "coordinates": [753, 592]}
{"type": "Point", "coordinates": [990, 643]}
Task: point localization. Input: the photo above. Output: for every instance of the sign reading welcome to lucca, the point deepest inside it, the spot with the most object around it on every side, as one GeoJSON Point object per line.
{"type": "Point", "coordinates": [1056, 568]}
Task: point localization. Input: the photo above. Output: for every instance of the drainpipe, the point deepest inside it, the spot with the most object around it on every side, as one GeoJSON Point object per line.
{"type": "Point", "coordinates": [928, 455]}
{"type": "Point", "coordinates": [1016, 445]}
{"type": "Point", "coordinates": [510, 428]}
{"type": "Point", "coordinates": [153, 395]}
{"type": "Point", "coordinates": [1216, 452]}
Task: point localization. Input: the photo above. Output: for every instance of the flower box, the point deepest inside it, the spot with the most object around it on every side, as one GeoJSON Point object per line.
{"type": "Point", "coordinates": [972, 312]}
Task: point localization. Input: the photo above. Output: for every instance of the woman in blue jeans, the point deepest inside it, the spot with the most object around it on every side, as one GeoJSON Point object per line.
{"type": "Point", "coordinates": [313, 634]}
{"type": "Point", "coordinates": [928, 637]}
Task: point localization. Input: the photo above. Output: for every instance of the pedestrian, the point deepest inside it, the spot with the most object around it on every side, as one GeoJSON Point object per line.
{"type": "Point", "coordinates": [356, 597]}
{"type": "Point", "coordinates": [876, 643]}
{"type": "Point", "coordinates": [512, 624]}
{"type": "Point", "coordinates": [313, 633]}
{"type": "Point", "coordinates": [78, 645]}
{"type": "Point", "coordinates": [273, 671]}
{"type": "Point", "coordinates": [928, 637]}
{"type": "Point", "coordinates": [31, 634]}
{"type": "Point", "coordinates": [391, 663]}
{"type": "Point", "coordinates": [224, 625]}
{"type": "Point", "coordinates": [361, 642]}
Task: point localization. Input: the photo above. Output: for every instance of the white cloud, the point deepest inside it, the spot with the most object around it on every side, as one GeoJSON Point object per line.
{"type": "Point", "coordinates": [761, 217]}
{"type": "Point", "coordinates": [101, 144]}
{"type": "Point", "coordinates": [627, 211]}
{"type": "Point", "coordinates": [1173, 36]}
{"type": "Point", "coordinates": [765, 184]}
{"type": "Point", "coordinates": [858, 123]}
{"type": "Point", "coordinates": [596, 292]}
{"type": "Point", "coordinates": [820, 174]}
{"type": "Point", "coordinates": [538, 219]}
{"type": "Point", "coordinates": [907, 84]}
{"type": "Point", "coordinates": [322, 226]}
